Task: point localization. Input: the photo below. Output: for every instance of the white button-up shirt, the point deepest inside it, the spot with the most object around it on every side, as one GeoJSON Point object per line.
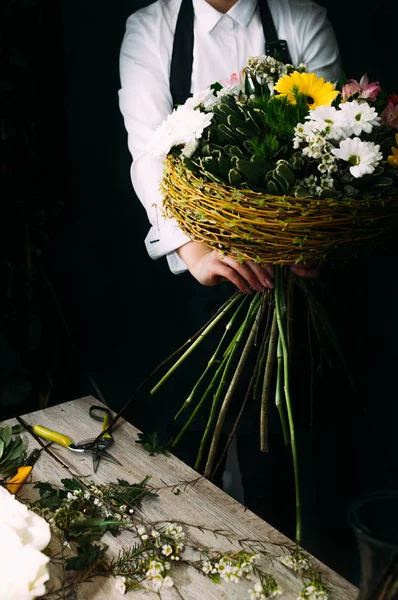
{"type": "Point", "coordinates": [222, 45]}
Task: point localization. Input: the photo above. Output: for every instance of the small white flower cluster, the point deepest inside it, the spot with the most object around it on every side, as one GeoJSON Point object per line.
{"type": "Point", "coordinates": [313, 592]}
{"type": "Point", "coordinates": [169, 544]}
{"type": "Point", "coordinates": [156, 575]}
{"type": "Point", "coordinates": [23, 536]}
{"type": "Point", "coordinates": [296, 562]}
{"type": "Point", "coordinates": [230, 567]}
{"type": "Point", "coordinates": [326, 136]}
{"type": "Point", "coordinates": [183, 127]}
{"type": "Point", "coordinates": [266, 70]}
{"type": "Point", "coordinates": [266, 589]}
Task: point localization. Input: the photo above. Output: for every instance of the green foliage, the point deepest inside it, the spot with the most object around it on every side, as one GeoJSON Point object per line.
{"type": "Point", "coordinates": [12, 452]}
{"type": "Point", "coordinates": [87, 555]}
{"type": "Point", "coordinates": [123, 492]}
{"type": "Point", "coordinates": [244, 141]}
{"type": "Point", "coordinates": [50, 497]}
{"type": "Point", "coordinates": [153, 444]}
{"type": "Point", "coordinates": [281, 179]}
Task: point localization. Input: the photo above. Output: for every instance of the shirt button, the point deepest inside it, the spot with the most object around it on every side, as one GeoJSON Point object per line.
{"type": "Point", "coordinates": [227, 22]}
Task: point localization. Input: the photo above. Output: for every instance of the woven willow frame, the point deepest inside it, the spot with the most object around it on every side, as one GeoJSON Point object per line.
{"type": "Point", "coordinates": [278, 229]}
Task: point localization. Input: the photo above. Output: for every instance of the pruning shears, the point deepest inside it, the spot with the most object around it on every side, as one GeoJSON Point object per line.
{"type": "Point", "coordinates": [17, 480]}
{"type": "Point", "coordinates": [98, 450]}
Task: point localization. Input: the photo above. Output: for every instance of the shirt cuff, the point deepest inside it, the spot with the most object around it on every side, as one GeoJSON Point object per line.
{"type": "Point", "coordinates": [164, 240]}
{"type": "Point", "coordinates": [176, 264]}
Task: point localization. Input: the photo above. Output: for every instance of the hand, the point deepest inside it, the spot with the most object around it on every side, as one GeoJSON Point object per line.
{"type": "Point", "coordinates": [210, 268]}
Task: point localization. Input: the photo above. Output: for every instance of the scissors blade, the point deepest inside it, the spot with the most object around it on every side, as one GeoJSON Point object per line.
{"type": "Point", "coordinates": [106, 456]}
{"type": "Point", "coordinates": [96, 461]}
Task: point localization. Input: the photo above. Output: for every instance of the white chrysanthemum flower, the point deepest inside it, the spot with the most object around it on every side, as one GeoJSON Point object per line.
{"type": "Point", "coordinates": [23, 568]}
{"type": "Point", "coordinates": [363, 156]}
{"type": "Point", "coordinates": [183, 126]}
{"type": "Point", "coordinates": [189, 148]}
{"type": "Point", "coordinates": [30, 528]}
{"type": "Point", "coordinates": [359, 117]}
{"type": "Point", "coordinates": [120, 585]}
{"type": "Point", "coordinates": [328, 121]}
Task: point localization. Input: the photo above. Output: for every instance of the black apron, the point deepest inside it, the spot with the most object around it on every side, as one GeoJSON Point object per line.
{"type": "Point", "coordinates": [182, 56]}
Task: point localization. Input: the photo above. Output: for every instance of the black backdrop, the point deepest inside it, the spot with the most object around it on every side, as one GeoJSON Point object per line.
{"type": "Point", "coordinates": [125, 313]}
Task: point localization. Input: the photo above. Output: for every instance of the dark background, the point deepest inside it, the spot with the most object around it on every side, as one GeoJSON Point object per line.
{"type": "Point", "coordinates": [83, 308]}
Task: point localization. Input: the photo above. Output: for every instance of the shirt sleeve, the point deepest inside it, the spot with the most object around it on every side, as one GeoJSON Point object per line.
{"type": "Point", "coordinates": [145, 101]}
{"type": "Point", "coordinates": [318, 47]}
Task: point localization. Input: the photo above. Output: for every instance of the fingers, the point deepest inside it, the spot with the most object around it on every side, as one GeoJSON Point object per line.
{"type": "Point", "coordinates": [257, 277]}
{"type": "Point", "coordinates": [263, 272]}
{"type": "Point", "coordinates": [227, 273]}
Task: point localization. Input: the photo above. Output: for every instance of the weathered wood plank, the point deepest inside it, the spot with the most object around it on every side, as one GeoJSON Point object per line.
{"type": "Point", "coordinates": [202, 504]}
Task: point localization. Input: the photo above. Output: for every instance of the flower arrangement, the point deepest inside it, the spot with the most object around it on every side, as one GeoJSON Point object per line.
{"type": "Point", "coordinates": [278, 166]}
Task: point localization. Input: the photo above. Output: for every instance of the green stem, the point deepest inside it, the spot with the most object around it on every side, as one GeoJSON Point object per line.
{"type": "Point", "coordinates": [268, 371]}
{"type": "Point", "coordinates": [200, 403]}
{"type": "Point", "coordinates": [266, 306]}
{"type": "Point", "coordinates": [252, 314]}
{"type": "Point", "coordinates": [279, 283]}
{"type": "Point", "coordinates": [212, 360]}
{"type": "Point", "coordinates": [211, 325]}
{"type": "Point", "coordinates": [279, 392]}
{"type": "Point", "coordinates": [225, 367]}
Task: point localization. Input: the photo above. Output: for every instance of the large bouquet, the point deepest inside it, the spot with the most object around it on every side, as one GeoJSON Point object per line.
{"type": "Point", "coordinates": [278, 166]}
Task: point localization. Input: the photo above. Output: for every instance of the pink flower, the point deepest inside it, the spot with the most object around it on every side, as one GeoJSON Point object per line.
{"type": "Point", "coordinates": [390, 115]}
{"type": "Point", "coordinates": [364, 89]}
{"type": "Point", "coordinates": [235, 79]}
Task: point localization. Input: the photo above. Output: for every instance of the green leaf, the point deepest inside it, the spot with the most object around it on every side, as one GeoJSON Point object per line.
{"type": "Point", "coordinates": [153, 444]}
{"type": "Point", "coordinates": [6, 434]}
{"type": "Point", "coordinates": [87, 555]}
{"type": "Point", "coordinates": [17, 429]}
{"type": "Point", "coordinates": [234, 178]}
{"type": "Point", "coordinates": [14, 451]}
{"type": "Point", "coordinates": [71, 484]}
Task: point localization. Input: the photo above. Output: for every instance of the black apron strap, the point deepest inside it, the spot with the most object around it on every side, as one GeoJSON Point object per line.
{"type": "Point", "coordinates": [182, 55]}
{"type": "Point", "coordinates": [273, 46]}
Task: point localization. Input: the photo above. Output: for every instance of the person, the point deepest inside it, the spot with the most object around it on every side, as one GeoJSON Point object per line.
{"type": "Point", "coordinates": [174, 48]}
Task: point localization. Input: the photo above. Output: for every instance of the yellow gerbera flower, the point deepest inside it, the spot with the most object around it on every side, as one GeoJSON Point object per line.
{"type": "Point", "coordinates": [393, 159]}
{"type": "Point", "coordinates": [318, 91]}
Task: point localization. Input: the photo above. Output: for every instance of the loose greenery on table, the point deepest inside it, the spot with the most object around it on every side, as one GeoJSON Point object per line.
{"type": "Point", "coordinates": [81, 512]}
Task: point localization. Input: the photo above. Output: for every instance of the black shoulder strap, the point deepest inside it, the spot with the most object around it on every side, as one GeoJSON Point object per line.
{"type": "Point", "coordinates": [273, 46]}
{"type": "Point", "coordinates": [182, 55]}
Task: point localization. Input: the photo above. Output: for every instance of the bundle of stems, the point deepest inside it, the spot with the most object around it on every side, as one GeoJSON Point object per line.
{"type": "Point", "coordinates": [259, 324]}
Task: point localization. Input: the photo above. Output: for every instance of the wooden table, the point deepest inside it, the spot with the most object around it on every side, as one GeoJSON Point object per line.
{"type": "Point", "coordinates": [201, 504]}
